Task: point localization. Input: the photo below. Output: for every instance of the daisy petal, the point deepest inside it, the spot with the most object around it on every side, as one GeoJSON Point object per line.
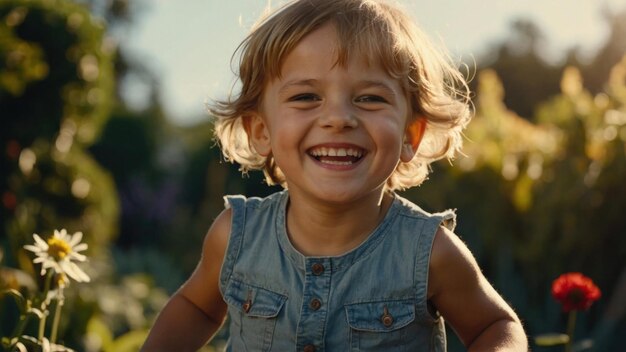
{"type": "Point", "coordinates": [78, 256]}
{"type": "Point", "coordinates": [76, 238]}
{"type": "Point", "coordinates": [83, 275]}
{"type": "Point", "coordinates": [21, 347]}
{"type": "Point", "coordinates": [69, 270]}
{"type": "Point", "coordinates": [73, 271]}
{"type": "Point", "coordinates": [30, 247]}
{"type": "Point", "coordinates": [40, 243]}
{"type": "Point", "coordinates": [80, 247]}
{"type": "Point", "coordinates": [59, 253]}
{"type": "Point", "coordinates": [45, 345]}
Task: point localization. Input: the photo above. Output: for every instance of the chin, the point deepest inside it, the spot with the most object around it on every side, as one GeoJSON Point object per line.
{"type": "Point", "coordinates": [343, 195]}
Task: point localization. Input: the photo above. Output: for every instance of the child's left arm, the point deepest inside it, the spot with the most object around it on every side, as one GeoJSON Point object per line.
{"type": "Point", "coordinates": [477, 313]}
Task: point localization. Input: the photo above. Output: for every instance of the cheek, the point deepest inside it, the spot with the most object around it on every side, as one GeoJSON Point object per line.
{"type": "Point", "coordinates": [389, 130]}
{"type": "Point", "coordinates": [389, 139]}
{"type": "Point", "coordinates": [286, 137]}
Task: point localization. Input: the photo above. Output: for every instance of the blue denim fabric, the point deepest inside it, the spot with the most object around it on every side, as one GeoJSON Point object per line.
{"type": "Point", "coordinates": [373, 298]}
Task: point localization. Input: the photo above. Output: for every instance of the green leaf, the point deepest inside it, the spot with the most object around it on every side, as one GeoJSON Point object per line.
{"type": "Point", "coordinates": [97, 328]}
{"type": "Point", "coordinates": [553, 339]}
{"type": "Point", "coordinates": [19, 299]}
{"type": "Point", "coordinates": [128, 342]}
{"type": "Point", "coordinates": [6, 342]}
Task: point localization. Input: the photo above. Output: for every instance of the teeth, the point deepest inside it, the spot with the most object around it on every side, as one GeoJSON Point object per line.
{"type": "Point", "coordinates": [324, 151]}
{"type": "Point", "coordinates": [334, 162]}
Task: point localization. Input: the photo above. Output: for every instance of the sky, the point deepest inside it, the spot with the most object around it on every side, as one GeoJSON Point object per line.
{"type": "Point", "coordinates": [188, 44]}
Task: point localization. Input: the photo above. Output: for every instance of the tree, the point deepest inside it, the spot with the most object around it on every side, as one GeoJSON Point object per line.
{"type": "Point", "coordinates": [596, 73]}
{"type": "Point", "coordinates": [55, 88]}
{"type": "Point", "coordinates": [519, 64]}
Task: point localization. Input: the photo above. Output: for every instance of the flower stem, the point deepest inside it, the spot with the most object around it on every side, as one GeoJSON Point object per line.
{"type": "Point", "coordinates": [55, 321]}
{"type": "Point", "coordinates": [571, 325]}
{"type": "Point", "coordinates": [44, 308]}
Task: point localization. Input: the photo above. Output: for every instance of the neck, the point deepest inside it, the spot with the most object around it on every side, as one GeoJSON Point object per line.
{"type": "Point", "coordinates": [333, 229]}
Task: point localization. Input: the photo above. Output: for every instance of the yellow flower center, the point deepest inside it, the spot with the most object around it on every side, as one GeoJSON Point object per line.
{"type": "Point", "coordinates": [58, 249]}
{"type": "Point", "coordinates": [62, 280]}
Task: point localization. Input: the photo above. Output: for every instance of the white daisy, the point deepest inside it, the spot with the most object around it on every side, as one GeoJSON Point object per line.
{"type": "Point", "coordinates": [59, 253]}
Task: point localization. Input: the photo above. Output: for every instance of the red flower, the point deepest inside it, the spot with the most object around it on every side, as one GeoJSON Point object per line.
{"type": "Point", "coordinates": [9, 200]}
{"type": "Point", "coordinates": [575, 291]}
{"type": "Point", "coordinates": [13, 149]}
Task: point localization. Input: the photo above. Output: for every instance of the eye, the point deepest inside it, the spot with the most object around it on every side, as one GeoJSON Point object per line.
{"type": "Point", "coordinates": [371, 99]}
{"type": "Point", "coordinates": [304, 97]}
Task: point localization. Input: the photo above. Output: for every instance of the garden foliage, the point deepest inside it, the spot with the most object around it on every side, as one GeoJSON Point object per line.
{"type": "Point", "coordinates": [536, 195]}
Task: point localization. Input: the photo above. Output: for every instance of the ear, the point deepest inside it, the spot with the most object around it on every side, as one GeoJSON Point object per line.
{"type": "Point", "coordinates": [414, 134]}
{"type": "Point", "coordinates": [258, 133]}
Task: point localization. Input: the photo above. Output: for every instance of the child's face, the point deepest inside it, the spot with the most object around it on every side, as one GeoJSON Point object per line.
{"type": "Point", "coordinates": [335, 131]}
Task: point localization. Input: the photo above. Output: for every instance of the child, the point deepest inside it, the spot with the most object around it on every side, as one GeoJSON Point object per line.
{"type": "Point", "coordinates": [342, 102]}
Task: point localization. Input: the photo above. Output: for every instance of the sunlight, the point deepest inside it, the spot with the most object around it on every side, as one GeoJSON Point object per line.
{"type": "Point", "coordinates": [27, 161]}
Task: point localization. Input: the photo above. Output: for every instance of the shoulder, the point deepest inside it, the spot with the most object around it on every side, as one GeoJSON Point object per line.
{"type": "Point", "coordinates": [202, 287]}
{"type": "Point", "coordinates": [451, 263]}
{"type": "Point", "coordinates": [216, 239]}
{"type": "Point", "coordinates": [465, 298]}
{"type": "Point", "coordinates": [446, 218]}
{"type": "Point", "coordinates": [240, 202]}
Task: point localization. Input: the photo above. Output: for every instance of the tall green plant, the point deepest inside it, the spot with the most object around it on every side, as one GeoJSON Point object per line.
{"type": "Point", "coordinates": [539, 199]}
{"type": "Point", "coordinates": [55, 94]}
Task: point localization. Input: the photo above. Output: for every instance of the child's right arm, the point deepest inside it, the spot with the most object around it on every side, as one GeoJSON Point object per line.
{"type": "Point", "coordinates": [196, 311]}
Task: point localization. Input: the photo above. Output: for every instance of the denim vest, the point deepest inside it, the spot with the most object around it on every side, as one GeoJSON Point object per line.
{"type": "Point", "coordinates": [373, 298]}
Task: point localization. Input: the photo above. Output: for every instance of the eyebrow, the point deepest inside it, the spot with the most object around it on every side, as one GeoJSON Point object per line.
{"type": "Point", "coordinates": [297, 83]}
{"type": "Point", "coordinates": [361, 84]}
{"type": "Point", "coordinates": [377, 84]}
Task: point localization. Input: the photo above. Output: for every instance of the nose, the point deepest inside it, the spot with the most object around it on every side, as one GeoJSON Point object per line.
{"type": "Point", "coordinates": [338, 115]}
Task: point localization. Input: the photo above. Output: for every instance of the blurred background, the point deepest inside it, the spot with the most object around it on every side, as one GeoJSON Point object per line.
{"type": "Point", "coordinates": [103, 130]}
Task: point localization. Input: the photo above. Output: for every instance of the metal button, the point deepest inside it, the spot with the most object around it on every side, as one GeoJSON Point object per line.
{"type": "Point", "coordinates": [318, 269]}
{"type": "Point", "coordinates": [246, 306]}
{"type": "Point", "coordinates": [386, 318]}
{"type": "Point", "coordinates": [309, 348]}
{"type": "Point", "coordinates": [315, 304]}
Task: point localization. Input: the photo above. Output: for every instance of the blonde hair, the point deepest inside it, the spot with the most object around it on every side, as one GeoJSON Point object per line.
{"type": "Point", "coordinates": [370, 28]}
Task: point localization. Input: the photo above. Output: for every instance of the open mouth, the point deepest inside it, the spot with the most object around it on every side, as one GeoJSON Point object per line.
{"type": "Point", "coordinates": [337, 156]}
